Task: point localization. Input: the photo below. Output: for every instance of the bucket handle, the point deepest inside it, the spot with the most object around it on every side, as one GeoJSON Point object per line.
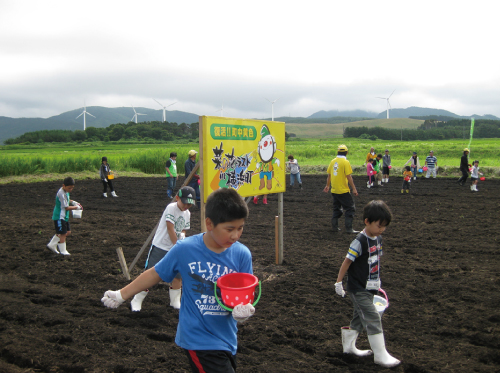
{"type": "Point", "coordinates": [230, 309]}
{"type": "Point", "coordinates": [385, 296]}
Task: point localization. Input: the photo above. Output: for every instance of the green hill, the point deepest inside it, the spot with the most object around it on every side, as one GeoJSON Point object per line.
{"type": "Point", "coordinates": [15, 127]}
{"type": "Point", "coordinates": [326, 130]}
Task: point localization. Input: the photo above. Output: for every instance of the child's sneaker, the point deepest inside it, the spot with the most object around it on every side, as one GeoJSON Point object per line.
{"type": "Point", "coordinates": [255, 200]}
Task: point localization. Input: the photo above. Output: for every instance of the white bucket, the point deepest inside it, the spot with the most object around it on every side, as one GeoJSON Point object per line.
{"type": "Point", "coordinates": [77, 214]}
{"type": "Point", "coordinates": [380, 304]}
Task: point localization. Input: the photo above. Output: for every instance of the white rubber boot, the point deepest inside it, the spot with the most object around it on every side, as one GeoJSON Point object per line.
{"type": "Point", "coordinates": [113, 194]}
{"type": "Point", "coordinates": [175, 298]}
{"type": "Point", "coordinates": [62, 248]}
{"type": "Point", "coordinates": [105, 195]}
{"type": "Point", "coordinates": [381, 356]}
{"type": "Point", "coordinates": [52, 245]}
{"type": "Point", "coordinates": [349, 337]}
{"type": "Point", "coordinates": [136, 303]}
{"type": "Point", "coordinates": [387, 180]}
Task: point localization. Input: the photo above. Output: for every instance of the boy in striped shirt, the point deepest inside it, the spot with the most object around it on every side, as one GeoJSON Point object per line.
{"type": "Point", "coordinates": [431, 163]}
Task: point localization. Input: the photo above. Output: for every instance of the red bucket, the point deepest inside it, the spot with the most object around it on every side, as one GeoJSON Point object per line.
{"type": "Point", "coordinates": [237, 288]}
{"type": "Point", "coordinates": [482, 178]}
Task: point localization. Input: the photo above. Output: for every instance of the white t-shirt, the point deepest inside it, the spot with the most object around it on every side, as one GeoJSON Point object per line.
{"type": "Point", "coordinates": [293, 166]}
{"type": "Point", "coordinates": [180, 220]}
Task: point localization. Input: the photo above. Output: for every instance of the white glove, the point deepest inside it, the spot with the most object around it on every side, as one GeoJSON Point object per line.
{"type": "Point", "coordinates": [339, 289]}
{"type": "Point", "coordinates": [77, 204]}
{"type": "Point", "coordinates": [241, 312]}
{"type": "Point", "coordinates": [182, 235]}
{"type": "Point", "coordinates": [105, 180]}
{"type": "Point", "coordinates": [112, 299]}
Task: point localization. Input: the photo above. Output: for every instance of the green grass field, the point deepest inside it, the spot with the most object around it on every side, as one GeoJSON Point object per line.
{"type": "Point", "coordinates": [325, 130]}
{"type": "Point", "coordinates": [28, 163]}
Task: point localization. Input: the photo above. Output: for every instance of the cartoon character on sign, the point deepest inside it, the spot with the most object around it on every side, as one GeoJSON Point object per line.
{"type": "Point", "coordinates": [266, 150]}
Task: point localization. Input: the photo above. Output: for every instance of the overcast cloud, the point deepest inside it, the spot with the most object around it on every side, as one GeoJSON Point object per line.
{"type": "Point", "coordinates": [319, 55]}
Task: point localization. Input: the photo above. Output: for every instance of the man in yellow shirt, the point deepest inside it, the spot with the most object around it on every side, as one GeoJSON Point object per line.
{"type": "Point", "coordinates": [339, 175]}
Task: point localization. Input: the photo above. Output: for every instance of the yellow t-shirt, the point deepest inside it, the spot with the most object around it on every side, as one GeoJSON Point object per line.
{"type": "Point", "coordinates": [338, 169]}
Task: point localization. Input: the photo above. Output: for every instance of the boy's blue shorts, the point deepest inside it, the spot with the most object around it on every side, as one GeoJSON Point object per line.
{"type": "Point", "coordinates": [62, 226]}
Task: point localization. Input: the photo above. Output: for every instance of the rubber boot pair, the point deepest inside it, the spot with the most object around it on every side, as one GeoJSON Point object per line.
{"type": "Point", "coordinates": [377, 343]}
{"type": "Point", "coordinates": [175, 299]}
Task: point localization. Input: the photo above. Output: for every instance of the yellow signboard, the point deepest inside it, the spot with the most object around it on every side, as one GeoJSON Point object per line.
{"type": "Point", "coordinates": [243, 154]}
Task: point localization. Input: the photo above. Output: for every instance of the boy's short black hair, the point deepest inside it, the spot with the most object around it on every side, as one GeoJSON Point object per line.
{"type": "Point", "coordinates": [379, 155]}
{"type": "Point", "coordinates": [377, 211]}
{"type": "Point", "coordinates": [341, 153]}
{"type": "Point", "coordinates": [173, 154]}
{"type": "Point", "coordinates": [225, 205]}
{"type": "Point", "coordinates": [69, 181]}
{"type": "Point", "coordinates": [290, 156]}
{"type": "Point", "coordinates": [407, 168]}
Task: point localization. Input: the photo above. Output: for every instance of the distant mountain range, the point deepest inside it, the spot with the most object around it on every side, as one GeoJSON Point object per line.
{"type": "Point", "coordinates": [412, 111]}
{"type": "Point", "coordinates": [14, 127]}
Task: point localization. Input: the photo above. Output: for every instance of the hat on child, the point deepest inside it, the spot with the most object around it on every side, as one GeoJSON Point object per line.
{"type": "Point", "coordinates": [187, 195]}
{"type": "Point", "coordinates": [104, 159]}
{"type": "Point", "coordinates": [192, 152]}
{"type": "Point", "coordinates": [466, 150]}
{"type": "Point", "coordinates": [342, 148]}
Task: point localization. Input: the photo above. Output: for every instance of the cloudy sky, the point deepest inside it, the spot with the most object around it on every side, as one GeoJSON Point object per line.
{"type": "Point", "coordinates": [205, 55]}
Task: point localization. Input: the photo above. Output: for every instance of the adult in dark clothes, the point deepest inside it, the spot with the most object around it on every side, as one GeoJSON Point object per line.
{"type": "Point", "coordinates": [464, 167]}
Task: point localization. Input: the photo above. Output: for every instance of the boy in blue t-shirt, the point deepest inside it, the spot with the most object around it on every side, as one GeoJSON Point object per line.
{"type": "Point", "coordinates": [205, 331]}
{"type": "Point", "coordinates": [60, 216]}
{"type": "Point", "coordinates": [362, 264]}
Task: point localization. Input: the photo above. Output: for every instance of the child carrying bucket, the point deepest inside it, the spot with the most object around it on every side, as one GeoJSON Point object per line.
{"type": "Point", "coordinates": [362, 264]}
{"type": "Point", "coordinates": [206, 331]}
{"type": "Point", "coordinates": [474, 176]}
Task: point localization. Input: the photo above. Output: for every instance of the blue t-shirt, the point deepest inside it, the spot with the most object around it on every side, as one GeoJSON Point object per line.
{"type": "Point", "coordinates": [203, 324]}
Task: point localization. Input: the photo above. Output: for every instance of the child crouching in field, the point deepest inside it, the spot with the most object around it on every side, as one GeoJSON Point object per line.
{"type": "Point", "coordinates": [206, 331]}
{"type": "Point", "coordinates": [362, 264]}
{"type": "Point", "coordinates": [60, 216]}
{"type": "Point", "coordinates": [174, 222]}
{"type": "Point", "coordinates": [474, 176]}
{"type": "Point", "coordinates": [407, 174]}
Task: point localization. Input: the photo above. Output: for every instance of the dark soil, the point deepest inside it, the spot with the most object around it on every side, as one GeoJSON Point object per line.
{"type": "Point", "coordinates": [440, 270]}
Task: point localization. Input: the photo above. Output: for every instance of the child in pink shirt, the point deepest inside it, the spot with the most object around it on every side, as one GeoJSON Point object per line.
{"type": "Point", "coordinates": [370, 171]}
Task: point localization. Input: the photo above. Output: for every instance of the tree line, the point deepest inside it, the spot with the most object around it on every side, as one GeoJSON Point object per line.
{"type": "Point", "coordinates": [163, 131]}
{"type": "Point", "coordinates": [431, 129]}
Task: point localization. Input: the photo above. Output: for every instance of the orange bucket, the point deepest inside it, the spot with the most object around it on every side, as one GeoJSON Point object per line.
{"type": "Point", "coordinates": [237, 288]}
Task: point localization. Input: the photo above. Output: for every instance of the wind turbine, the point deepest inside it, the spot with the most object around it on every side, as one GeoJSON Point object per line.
{"type": "Point", "coordinates": [84, 113]}
{"type": "Point", "coordinates": [164, 107]}
{"type": "Point", "coordinates": [221, 110]}
{"type": "Point", "coordinates": [135, 115]}
{"type": "Point", "coordinates": [272, 108]}
{"type": "Point", "coordinates": [388, 104]}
